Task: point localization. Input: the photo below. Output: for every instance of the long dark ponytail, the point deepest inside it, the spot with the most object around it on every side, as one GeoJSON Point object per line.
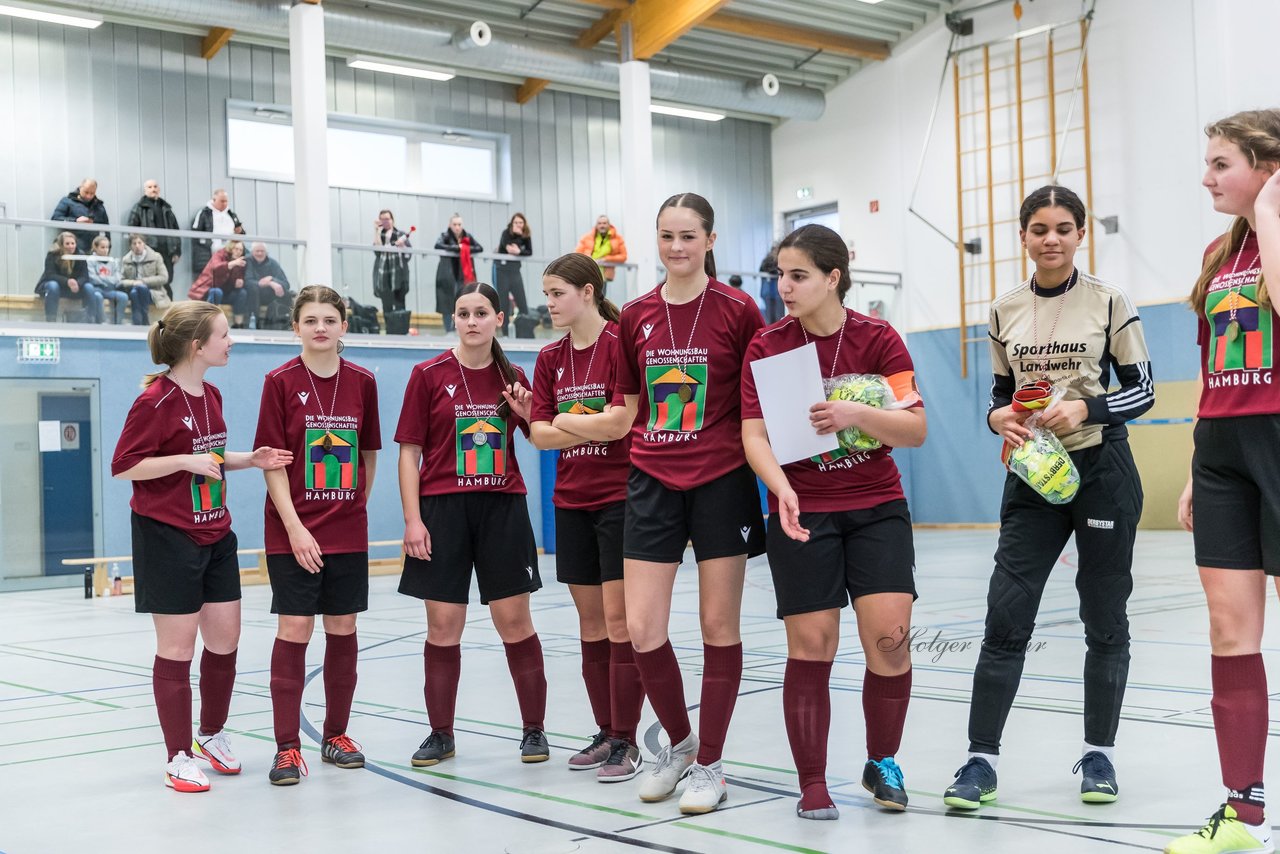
{"type": "Point", "coordinates": [582, 270]}
{"type": "Point", "coordinates": [505, 370]}
{"type": "Point", "coordinates": [703, 209]}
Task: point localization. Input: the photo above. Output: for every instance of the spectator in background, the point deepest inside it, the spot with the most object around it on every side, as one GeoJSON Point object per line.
{"type": "Point", "coordinates": [217, 218]}
{"type": "Point", "coordinates": [266, 282]}
{"type": "Point", "coordinates": [454, 272]}
{"type": "Point", "coordinates": [390, 269]}
{"type": "Point", "coordinates": [151, 211]}
{"type": "Point", "coordinates": [222, 282]}
{"type": "Point", "coordinates": [104, 275]}
{"type": "Point", "coordinates": [515, 240]}
{"type": "Point", "coordinates": [769, 286]}
{"type": "Point", "coordinates": [735, 281]}
{"type": "Point", "coordinates": [82, 206]}
{"type": "Point", "coordinates": [65, 279]}
{"type": "Point", "coordinates": [604, 244]}
{"type": "Point", "coordinates": [144, 276]}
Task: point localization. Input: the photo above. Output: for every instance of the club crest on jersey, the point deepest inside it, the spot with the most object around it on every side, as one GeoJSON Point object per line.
{"type": "Point", "coordinates": [303, 395]}
{"type": "Point", "coordinates": [647, 328]}
{"type": "Point", "coordinates": [189, 422]}
{"type": "Point", "coordinates": [746, 533]}
{"type": "Point", "coordinates": [451, 389]}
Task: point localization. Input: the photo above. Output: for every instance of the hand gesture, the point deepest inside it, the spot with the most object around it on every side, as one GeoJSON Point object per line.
{"type": "Point", "coordinates": [278, 289]}
{"type": "Point", "coordinates": [401, 241]}
{"type": "Point", "coordinates": [74, 285]}
{"type": "Point", "coordinates": [204, 464]}
{"type": "Point", "coordinates": [832, 416]}
{"type": "Point", "coordinates": [1185, 518]}
{"type": "Point", "coordinates": [417, 540]}
{"type": "Point", "coordinates": [270, 459]}
{"type": "Point", "coordinates": [1009, 424]}
{"type": "Point", "coordinates": [83, 219]}
{"type": "Point", "coordinates": [306, 551]}
{"type": "Point", "coordinates": [513, 249]}
{"type": "Point", "coordinates": [789, 514]}
{"type": "Point", "coordinates": [521, 400]}
{"type": "Point", "coordinates": [1065, 417]}
{"type": "Point", "coordinates": [1267, 203]}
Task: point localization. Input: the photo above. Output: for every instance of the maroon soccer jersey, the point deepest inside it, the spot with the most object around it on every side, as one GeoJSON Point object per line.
{"type": "Point", "coordinates": [593, 474]}
{"type": "Point", "coordinates": [688, 431]}
{"type": "Point", "coordinates": [165, 421]}
{"type": "Point", "coordinates": [837, 480]}
{"type": "Point", "coordinates": [452, 412]}
{"type": "Point", "coordinates": [1237, 340]}
{"type": "Point", "coordinates": [326, 422]}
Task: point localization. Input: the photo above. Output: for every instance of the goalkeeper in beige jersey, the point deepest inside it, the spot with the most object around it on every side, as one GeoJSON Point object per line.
{"type": "Point", "coordinates": [1068, 327]}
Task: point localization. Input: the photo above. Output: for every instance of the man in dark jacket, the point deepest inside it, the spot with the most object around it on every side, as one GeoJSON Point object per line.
{"type": "Point", "coordinates": [218, 218]}
{"type": "Point", "coordinates": [151, 211]}
{"type": "Point", "coordinates": [81, 206]}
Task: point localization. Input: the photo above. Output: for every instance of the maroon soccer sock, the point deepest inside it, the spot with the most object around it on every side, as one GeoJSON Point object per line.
{"type": "Point", "coordinates": [884, 705]}
{"type": "Point", "coordinates": [340, 653]}
{"type": "Point", "coordinates": [288, 673]}
{"type": "Point", "coordinates": [171, 685]}
{"type": "Point", "coordinates": [721, 677]}
{"type": "Point", "coordinates": [217, 680]}
{"type": "Point", "coordinates": [626, 691]}
{"type": "Point", "coordinates": [595, 675]}
{"type": "Point", "coordinates": [524, 660]}
{"type": "Point", "coordinates": [443, 666]}
{"type": "Point", "coordinates": [660, 674]}
{"type": "Point", "coordinates": [1240, 721]}
{"type": "Point", "coordinates": [806, 709]}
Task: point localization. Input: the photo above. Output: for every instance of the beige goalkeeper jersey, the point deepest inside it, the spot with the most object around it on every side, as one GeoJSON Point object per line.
{"type": "Point", "coordinates": [1097, 331]}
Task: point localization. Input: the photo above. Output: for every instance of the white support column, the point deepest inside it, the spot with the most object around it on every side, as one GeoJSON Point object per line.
{"type": "Point", "coordinates": [639, 205]}
{"type": "Point", "coordinates": [310, 146]}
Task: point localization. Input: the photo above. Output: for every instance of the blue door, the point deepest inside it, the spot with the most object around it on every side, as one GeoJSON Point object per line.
{"type": "Point", "coordinates": [66, 479]}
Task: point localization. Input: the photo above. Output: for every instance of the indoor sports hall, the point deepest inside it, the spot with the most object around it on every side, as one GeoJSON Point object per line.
{"type": "Point", "coordinates": [979, 174]}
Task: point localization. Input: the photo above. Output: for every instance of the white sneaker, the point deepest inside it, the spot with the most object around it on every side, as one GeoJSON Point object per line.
{"type": "Point", "coordinates": [705, 789]}
{"type": "Point", "coordinates": [182, 774]}
{"type": "Point", "coordinates": [672, 764]}
{"type": "Point", "coordinates": [216, 750]}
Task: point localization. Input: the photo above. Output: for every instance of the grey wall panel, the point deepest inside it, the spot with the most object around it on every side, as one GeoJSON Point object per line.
{"type": "Point", "coordinates": [126, 104]}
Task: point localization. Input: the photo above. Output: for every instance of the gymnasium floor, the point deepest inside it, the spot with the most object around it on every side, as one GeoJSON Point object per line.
{"type": "Point", "coordinates": [81, 761]}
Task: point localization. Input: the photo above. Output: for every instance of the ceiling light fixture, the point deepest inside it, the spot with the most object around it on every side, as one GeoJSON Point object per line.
{"type": "Point", "coordinates": [88, 22]}
{"type": "Point", "coordinates": [686, 113]}
{"type": "Point", "coordinates": [392, 66]}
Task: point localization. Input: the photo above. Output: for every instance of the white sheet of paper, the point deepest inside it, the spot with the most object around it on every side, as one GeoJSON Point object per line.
{"type": "Point", "coordinates": [50, 435]}
{"type": "Point", "coordinates": [787, 385]}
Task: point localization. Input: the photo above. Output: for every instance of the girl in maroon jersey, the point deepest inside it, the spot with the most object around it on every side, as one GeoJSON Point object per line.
{"type": "Point", "coordinates": [317, 530]}
{"type": "Point", "coordinates": [573, 389]}
{"type": "Point", "coordinates": [173, 446]}
{"type": "Point", "coordinates": [464, 506]}
{"type": "Point", "coordinates": [839, 528]}
{"type": "Point", "coordinates": [1231, 503]}
{"type": "Point", "coordinates": [682, 347]}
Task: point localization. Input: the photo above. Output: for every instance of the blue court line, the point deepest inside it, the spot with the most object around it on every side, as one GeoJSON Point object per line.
{"type": "Point", "coordinates": [1143, 421]}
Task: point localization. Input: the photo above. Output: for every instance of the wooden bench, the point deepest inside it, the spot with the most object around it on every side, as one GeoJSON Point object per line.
{"type": "Point", "coordinates": [425, 321]}
{"type": "Point", "coordinates": [256, 574]}
{"type": "Point", "coordinates": [33, 305]}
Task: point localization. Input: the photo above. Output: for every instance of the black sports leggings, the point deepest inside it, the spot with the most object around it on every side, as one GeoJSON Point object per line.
{"type": "Point", "coordinates": [1033, 532]}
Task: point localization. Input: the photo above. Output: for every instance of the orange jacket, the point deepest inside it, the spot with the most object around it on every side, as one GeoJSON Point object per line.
{"type": "Point", "coordinates": [617, 249]}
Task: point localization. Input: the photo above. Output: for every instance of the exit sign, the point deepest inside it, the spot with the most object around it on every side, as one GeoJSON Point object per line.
{"type": "Point", "coordinates": [46, 351]}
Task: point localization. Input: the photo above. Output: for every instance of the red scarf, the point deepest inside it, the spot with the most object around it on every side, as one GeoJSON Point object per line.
{"type": "Point", "coordinates": [468, 267]}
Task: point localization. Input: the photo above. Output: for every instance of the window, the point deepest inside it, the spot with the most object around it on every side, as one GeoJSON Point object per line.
{"type": "Point", "coordinates": [373, 154]}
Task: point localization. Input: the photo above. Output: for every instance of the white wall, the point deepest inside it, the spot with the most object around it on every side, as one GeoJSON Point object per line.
{"type": "Point", "coordinates": [1159, 71]}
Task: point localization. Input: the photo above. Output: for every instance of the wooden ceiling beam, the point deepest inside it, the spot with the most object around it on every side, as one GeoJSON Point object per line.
{"type": "Point", "coordinates": [657, 23]}
{"type": "Point", "coordinates": [790, 34]}
{"type": "Point", "coordinates": [215, 41]}
{"type": "Point", "coordinates": [597, 32]}
{"type": "Point", "coordinates": [756, 28]}
{"type": "Point", "coordinates": [530, 89]}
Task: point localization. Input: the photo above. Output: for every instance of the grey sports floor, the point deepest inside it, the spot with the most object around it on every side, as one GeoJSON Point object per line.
{"type": "Point", "coordinates": [81, 759]}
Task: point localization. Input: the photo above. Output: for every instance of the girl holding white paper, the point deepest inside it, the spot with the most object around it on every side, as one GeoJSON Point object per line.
{"type": "Point", "coordinates": [839, 528]}
{"type": "Point", "coordinates": [1090, 331]}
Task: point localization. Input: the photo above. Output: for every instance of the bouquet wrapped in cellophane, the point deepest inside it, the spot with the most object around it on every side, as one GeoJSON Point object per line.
{"type": "Point", "coordinates": [870, 389]}
{"type": "Point", "coordinates": [1042, 462]}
